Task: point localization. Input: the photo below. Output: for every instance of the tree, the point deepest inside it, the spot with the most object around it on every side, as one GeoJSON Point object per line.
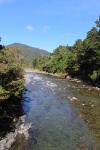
{"type": "Point", "coordinates": [1, 46]}
{"type": "Point", "coordinates": [98, 22]}
{"type": "Point", "coordinates": [81, 60]}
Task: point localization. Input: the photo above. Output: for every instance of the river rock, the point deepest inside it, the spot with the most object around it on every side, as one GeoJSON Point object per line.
{"type": "Point", "coordinates": [74, 98]}
{"type": "Point", "coordinates": [68, 77]}
{"type": "Point", "coordinates": [97, 88]}
{"type": "Point", "coordinates": [83, 104]}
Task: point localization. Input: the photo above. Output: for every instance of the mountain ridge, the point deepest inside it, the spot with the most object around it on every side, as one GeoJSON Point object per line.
{"type": "Point", "coordinates": [28, 52]}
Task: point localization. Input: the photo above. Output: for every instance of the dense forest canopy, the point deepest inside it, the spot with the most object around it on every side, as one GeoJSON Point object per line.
{"type": "Point", "coordinates": [80, 60]}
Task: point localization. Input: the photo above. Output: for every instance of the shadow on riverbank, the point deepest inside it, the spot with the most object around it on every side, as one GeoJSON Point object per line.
{"type": "Point", "coordinates": [10, 111]}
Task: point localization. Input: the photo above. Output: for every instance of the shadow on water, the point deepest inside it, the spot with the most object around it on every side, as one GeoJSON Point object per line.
{"type": "Point", "coordinates": [10, 111]}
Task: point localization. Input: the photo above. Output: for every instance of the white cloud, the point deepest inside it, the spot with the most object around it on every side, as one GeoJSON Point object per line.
{"type": "Point", "coordinates": [46, 28]}
{"type": "Point", "coordinates": [30, 28]}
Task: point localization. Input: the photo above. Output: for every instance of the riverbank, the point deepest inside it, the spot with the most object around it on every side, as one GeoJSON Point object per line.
{"type": "Point", "coordinates": [21, 130]}
{"type": "Point", "coordinates": [12, 116]}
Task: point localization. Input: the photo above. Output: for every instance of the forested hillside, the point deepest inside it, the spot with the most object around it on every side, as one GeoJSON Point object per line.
{"type": "Point", "coordinates": [28, 52]}
{"type": "Point", "coordinates": [81, 60]}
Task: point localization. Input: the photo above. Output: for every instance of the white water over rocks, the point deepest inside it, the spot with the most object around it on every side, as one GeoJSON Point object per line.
{"type": "Point", "coordinates": [30, 77]}
{"type": "Point", "coordinates": [50, 84]}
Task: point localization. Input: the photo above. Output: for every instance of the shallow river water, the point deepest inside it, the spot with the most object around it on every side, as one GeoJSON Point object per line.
{"type": "Point", "coordinates": [56, 123]}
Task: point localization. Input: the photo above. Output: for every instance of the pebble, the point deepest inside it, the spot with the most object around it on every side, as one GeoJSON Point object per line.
{"type": "Point", "coordinates": [97, 88]}
{"type": "Point", "coordinates": [83, 104]}
{"type": "Point", "coordinates": [74, 98]}
{"type": "Point", "coordinates": [68, 77]}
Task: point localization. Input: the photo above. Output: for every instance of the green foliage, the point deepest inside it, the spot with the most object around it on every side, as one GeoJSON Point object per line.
{"type": "Point", "coordinates": [56, 62]}
{"type": "Point", "coordinates": [11, 74]}
{"type": "Point", "coordinates": [81, 60]}
{"type": "Point", "coordinates": [85, 57]}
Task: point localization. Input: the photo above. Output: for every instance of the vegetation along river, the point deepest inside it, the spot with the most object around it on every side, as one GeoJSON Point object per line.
{"type": "Point", "coordinates": [61, 115]}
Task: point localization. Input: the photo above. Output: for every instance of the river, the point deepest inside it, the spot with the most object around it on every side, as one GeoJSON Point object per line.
{"type": "Point", "coordinates": [54, 110]}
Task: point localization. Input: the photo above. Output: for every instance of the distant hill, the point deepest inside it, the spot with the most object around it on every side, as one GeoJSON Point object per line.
{"type": "Point", "coordinates": [28, 52]}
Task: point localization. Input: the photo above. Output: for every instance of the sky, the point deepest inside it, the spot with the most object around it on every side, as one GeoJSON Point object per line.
{"type": "Point", "coordinates": [47, 24]}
